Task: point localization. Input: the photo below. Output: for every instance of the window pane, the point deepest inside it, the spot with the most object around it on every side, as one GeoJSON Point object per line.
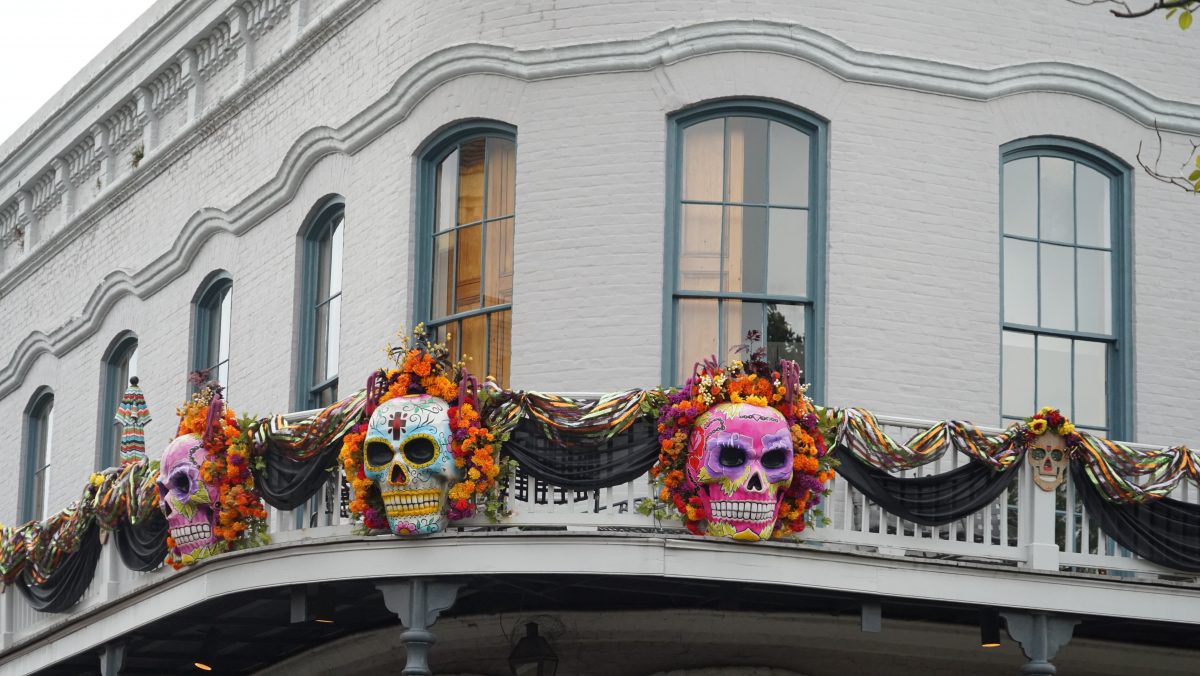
{"type": "Point", "coordinates": [474, 343]}
{"type": "Point", "coordinates": [738, 318]}
{"type": "Point", "coordinates": [501, 160]}
{"type": "Point", "coordinates": [321, 344]}
{"type": "Point", "coordinates": [1054, 373]}
{"type": "Point", "coordinates": [1091, 383]}
{"type": "Point", "coordinates": [467, 272]}
{"type": "Point", "coordinates": [700, 247]}
{"type": "Point", "coordinates": [223, 342]}
{"type": "Point", "coordinates": [747, 176]}
{"type": "Point", "coordinates": [500, 342]}
{"type": "Point", "coordinates": [703, 158]}
{"type": "Point", "coordinates": [1058, 287]}
{"type": "Point", "coordinates": [1095, 291]}
{"type": "Point", "coordinates": [131, 367]}
{"type": "Point", "coordinates": [789, 166]}
{"type": "Point", "coordinates": [334, 342]}
{"type": "Point", "coordinates": [1017, 379]}
{"type": "Point", "coordinates": [470, 181]}
{"type": "Point", "coordinates": [499, 265]}
{"type": "Point", "coordinates": [223, 375]}
{"type": "Point", "coordinates": [443, 274]}
{"type": "Point", "coordinates": [1020, 282]}
{"type": "Point", "coordinates": [696, 333]}
{"type": "Point", "coordinates": [447, 192]}
{"type": "Point", "coordinates": [745, 249]}
{"type": "Point", "coordinates": [335, 258]}
{"type": "Point", "coordinates": [1091, 207]}
{"type": "Point", "coordinates": [787, 254]}
{"type": "Point", "coordinates": [1020, 197]}
{"type": "Point", "coordinates": [1058, 199]}
{"type": "Point", "coordinates": [785, 334]}
{"type": "Point", "coordinates": [324, 251]}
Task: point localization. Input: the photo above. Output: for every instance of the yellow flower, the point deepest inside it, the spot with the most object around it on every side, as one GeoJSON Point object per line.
{"type": "Point", "coordinates": [1066, 428]}
{"type": "Point", "coordinates": [1038, 426]}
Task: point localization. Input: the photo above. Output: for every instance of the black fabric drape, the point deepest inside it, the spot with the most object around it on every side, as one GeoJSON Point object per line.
{"type": "Point", "coordinates": [142, 546]}
{"type": "Point", "coordinates": [930, 500]}
{"type": "Point", "coordinates": [584, 466]}
{"type": "Point", "coordinates": [66, 585]}
{"type": "Point", "coordinates": [1165, 531]}
{"type": "Point", "coordinates": [287, 484]}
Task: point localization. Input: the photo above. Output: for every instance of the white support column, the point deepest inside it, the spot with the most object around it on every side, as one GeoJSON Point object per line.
{"type": "Point", "coordinates": [7, 600]}
{"type": "Point", "coordinates": [1041, 637]}
{"type": "Point", "coordinates": [106, 572]}
{"type": "Point", "coordinates": [1036, 529]}
{"type": "Point", "coordinates": [26, 220]}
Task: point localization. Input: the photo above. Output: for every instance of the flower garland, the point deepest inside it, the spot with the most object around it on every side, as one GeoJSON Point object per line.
{"type": "Point", "coordinates": [241, 517]}
{"type": "Point", "coordinates": [1050, 419]}
{"type": "Point", "coordinates": [751, 382]}
{"type": "Point", "coordinates": [424, 367]}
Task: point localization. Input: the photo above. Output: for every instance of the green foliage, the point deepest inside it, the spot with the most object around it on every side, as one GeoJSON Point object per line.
{"type": "Point", "coordinates": [1184, 14]}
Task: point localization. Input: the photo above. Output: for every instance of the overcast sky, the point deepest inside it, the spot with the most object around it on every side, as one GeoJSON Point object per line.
{"type": "Point", "coordinates": [45, 42]}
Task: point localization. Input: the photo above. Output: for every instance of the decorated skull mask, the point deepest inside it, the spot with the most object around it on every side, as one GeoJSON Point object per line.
{"type": "Point", "coordinates": [1048, 456]}
{"type": "Point", "coordinates": [740, 457]}
{"type": "Point", "coordinates": [189, 503]}
{"type": "Point", "coordinates": [408, 456]}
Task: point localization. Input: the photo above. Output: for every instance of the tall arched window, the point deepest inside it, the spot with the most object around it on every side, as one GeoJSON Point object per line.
{"type": "Point", "coordinates": [321, 307]}
{"type": "Point", "coordinates": [1065, 335]}
{"type": "Point", "coordinates": [39, 440]}
{"type": "Point", "coordinates": [466, 228]}
{"type": "Point", "coordinates": [745, 235]}
{"type": "Point", "coordinates": [210, 328]}
{"type": "Point", "coordinates": [120, 363]}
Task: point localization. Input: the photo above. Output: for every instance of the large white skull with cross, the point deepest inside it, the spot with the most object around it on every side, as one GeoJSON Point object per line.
{"type": "Point", "coordinates": [408, 455]}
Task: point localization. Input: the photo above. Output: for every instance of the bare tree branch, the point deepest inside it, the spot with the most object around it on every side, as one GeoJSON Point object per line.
{"type": "Point", "coordinates": [1128, 12]}
{"type": "Point", "coordinates": [1176, 179]}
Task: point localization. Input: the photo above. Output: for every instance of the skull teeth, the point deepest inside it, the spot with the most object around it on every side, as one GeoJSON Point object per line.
{"type": "Point", "coordinates": [412, 503]}
{"type": "Point", "coordinates": [742, 510]}
{"type": "Point", "coordinates": [186, 535]}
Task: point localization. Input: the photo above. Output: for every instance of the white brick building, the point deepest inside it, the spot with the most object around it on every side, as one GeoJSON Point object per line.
{"type": "Point", "coordinates": [246, 117]}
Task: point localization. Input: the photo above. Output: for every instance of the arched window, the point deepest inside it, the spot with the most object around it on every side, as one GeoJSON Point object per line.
{"type": "Point", "coordinates": [39, 436]}
{"type": "Point", "coordinates": [120, 364]}
{"type": "Point", "coordinates": [321, 307]}
{"type": "Point", "coordinates": [745, 237]}
{"type": "Point", "coordinates": [210, 328]}
{"type": "Point", "coordinates": [466, 228]}
{"type": "Point", "coordinates": [1065, 336]}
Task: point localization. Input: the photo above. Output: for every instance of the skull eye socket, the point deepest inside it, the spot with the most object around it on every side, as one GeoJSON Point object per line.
{"type": "Point", "coordinates": [774, 458]}
{"type": "Point", "coordinates": [1056, 455]}
{"type": "Point", "coordinates": [181, 483]}
{"type": "Point", "coordinates": [379, 453]}
{"type": "Point", "coordinates": [732, 456]}
{"type": "Point", "coordinates": [419, 450]}
{"type": "Point", "coordinates": [1039, 453]}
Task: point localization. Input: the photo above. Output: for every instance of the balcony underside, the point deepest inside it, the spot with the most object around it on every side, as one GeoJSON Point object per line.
{"type": "Point", "coordinates": [511, 574]}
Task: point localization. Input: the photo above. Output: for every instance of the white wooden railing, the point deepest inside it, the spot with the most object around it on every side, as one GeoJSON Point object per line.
{"type": "Point", "coordinates": [1023, 528]}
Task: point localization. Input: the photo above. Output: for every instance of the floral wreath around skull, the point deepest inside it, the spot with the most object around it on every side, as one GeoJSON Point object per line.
{"type": "Point", "coordinates": [424, 456]}
{"type": "Point", "coordinates": [741, 455]}
{"type": "Point", "coordinates": [206, 488]}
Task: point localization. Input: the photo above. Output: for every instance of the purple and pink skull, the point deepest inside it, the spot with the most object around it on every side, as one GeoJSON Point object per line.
{"type": "Point", "coordinates": [740, 459]}
{"type": "Point", "coordinates": [189, 503]}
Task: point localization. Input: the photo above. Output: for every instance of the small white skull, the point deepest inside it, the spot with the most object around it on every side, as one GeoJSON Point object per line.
{"type": "Point", "coordinates": [1048, 457]}
{"type": "Point", "coordinates": [408, 455]}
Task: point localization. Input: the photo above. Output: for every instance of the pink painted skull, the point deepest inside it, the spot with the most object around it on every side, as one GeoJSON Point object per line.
{"type": "Point", "coordinates": [740, 458]}
{"type": "Point", "coordinates": [188, 502]}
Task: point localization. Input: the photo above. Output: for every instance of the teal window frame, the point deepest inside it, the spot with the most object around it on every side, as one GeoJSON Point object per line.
{"type": "Point", "coordinates": [115, 381]}
{"type": "Point", "coordinates": [329, 215]}
{"type": "Point", "coordinates": [206, 322]}
{"type": "Point", "coordinates": [39, 417]}
{"type": "Point", "coordinates": [817, 130]}
{"type": "Point", "coordinates": [429, 156]}
{"type": "Point", "coordinates": [1119, 403]}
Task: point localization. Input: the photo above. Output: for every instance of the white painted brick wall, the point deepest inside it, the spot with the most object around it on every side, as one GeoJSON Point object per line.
{"type": "Point", "coordinates": [912, 279]}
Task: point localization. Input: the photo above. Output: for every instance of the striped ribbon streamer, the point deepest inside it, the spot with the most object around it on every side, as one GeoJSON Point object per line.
{"type": "Point", "coordinates": [302, 435]}
{"type": "Point", "coordinates": [859, 432]}
{"type": "Point", "coordinates": [569, 422]}
{"type": "Point", "coordinates": [1128, 475]}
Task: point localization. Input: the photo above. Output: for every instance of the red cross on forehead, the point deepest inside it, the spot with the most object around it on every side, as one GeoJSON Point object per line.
{"type": "Point", "coordinates": [396, 423]}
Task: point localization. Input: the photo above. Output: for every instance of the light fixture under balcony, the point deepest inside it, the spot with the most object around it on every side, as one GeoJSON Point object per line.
{"type": "Point", "coordinates": [533, 656]}
{"type": "Point", "coordinates": [989, 629]}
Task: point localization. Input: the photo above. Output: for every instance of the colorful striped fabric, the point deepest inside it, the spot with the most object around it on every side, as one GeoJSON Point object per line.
{"type": "Point", "coordinates": [858, 431]}
{"type": "Point", "coordinates": [302, 435]}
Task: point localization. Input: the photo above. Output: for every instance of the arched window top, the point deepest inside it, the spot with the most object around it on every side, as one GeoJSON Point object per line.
{"type": "Point", "coordinates": [745, 233]}
{"type": "Point", "coordinates": [1065, 290]}
{"type": "Point", "coordinates": [466, 234]}
{"type": "Point", "coordinates": [324, 217]}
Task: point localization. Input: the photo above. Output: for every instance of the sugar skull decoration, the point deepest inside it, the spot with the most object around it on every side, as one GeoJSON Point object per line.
{"type": "Point", "coordinates": [205, 486]}
{"type": "Point", "coordinates": [423, 456]}
{"type": "Point", "coordinates": [1050, 439]}
{"type": "Point", "coordinates": [741, 455]}
{"type": "Point", "coordinates": [741, 461]}
{"type": "Point", "coordinates": [189, 503]}
{"type": "Point", "coordinates": [408, 456]}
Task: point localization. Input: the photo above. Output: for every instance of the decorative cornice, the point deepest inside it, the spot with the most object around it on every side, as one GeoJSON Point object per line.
{"type": "Point", "coordinates": [426, 75]}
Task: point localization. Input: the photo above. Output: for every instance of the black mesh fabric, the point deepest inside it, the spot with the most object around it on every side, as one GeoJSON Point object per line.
{"type": "Point", "coordinates": [64, 587]}
{"type": "Point", "coordinates": [286, 484]}
{"type": "Point", "coordinates": [142, 546]}
{"type": "Point", "coordinates": [584, 464]}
